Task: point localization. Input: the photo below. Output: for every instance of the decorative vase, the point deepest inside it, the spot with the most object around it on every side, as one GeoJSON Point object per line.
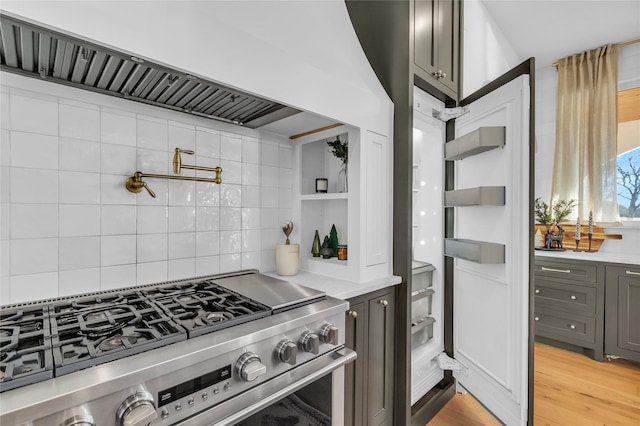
{"type": "Point", "coordinates": [287, 259]}
{"type": "Point", "coordinates": [315, 247]}
{"type": "Point", "coordinates": [343, 183]}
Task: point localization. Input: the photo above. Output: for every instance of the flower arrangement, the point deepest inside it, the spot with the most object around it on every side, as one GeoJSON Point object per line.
{"type": "Point", "coordinates": [551, 216]}
{"type": "Point", "coordinates": [340, 149]}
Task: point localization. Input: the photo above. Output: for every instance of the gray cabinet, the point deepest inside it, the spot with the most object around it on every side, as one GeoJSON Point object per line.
{"type": "Point", "coordinates": [623, 312]}
{"type": "Point", "coordinates": [369, 380]}
{"type": "Point", "coordinates": [569, 305]}
{"type": "Point", "coordinates": [437, 43]}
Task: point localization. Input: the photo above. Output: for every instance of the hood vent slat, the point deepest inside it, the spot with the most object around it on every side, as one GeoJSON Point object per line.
{"type": "Point", "coordinates": [31, 50]}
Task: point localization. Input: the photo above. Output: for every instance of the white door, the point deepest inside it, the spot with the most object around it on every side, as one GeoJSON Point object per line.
{"type": "Point", "coordinates": [491, 307]}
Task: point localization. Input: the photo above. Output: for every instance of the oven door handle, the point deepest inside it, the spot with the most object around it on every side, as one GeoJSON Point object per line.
{"type": "Point", "coordinates": [234, 410]}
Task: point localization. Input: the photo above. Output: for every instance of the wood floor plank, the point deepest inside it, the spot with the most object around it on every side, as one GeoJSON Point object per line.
{"type": "Point", "coordinates": [569, 389]}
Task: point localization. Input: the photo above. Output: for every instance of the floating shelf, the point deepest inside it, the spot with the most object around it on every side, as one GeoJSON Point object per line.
{"type": "Point", "coordinates": [480, 140]}
{"type": "Point", "coordinates": [474, 251]}
{"type": "Point", "coordinates": [480, 196]}
{"type": "Point", "coordinates": [325, 196]}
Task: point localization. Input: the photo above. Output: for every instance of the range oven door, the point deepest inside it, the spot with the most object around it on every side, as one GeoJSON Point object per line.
{"type": "Point", "coordinates": [312, 390]}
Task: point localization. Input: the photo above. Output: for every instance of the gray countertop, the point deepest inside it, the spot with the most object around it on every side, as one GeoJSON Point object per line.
{"type": "Point", "coordinates": [625, 258]}
{"type": "Point", "coordinates": [337, 288]}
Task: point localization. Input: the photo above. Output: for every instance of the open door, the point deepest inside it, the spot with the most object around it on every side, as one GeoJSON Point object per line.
{"type": "Point", "coordinates": [490, 247]}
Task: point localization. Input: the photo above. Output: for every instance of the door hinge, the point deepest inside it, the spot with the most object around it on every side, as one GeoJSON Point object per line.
{"type": "Point", "coordinates": [445, 362]}
{"type": "Point", "coordinates": [446, 114]}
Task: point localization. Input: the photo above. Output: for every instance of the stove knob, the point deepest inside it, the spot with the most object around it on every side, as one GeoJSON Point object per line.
{"type": "Point", "coordinates": [329, 334]}
{"type": "Point", "coordinates": [250, 367]}
{"type": "Point", "coordinates": [137, 410]}
{"type": "Point", "coordinates": [310, 342]}
{"type": "Point", "coordinates": [287, 351]}
{"type": "Point", "coordinates": [78, 421]}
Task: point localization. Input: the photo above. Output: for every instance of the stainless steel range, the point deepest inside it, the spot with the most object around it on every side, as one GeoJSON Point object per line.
{"type": "Point", "coordinates": [211, 350]}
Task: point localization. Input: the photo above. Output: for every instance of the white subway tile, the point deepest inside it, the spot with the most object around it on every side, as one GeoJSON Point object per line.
{"type": "Point", "coordinates": [207, 194]}
{"type": "Point", "coordinates": [153, 134]}
{"type": "Point", "coordinates": [79, 155]}
{"type": "Point", "coordinates": [34, 221]}
{"type": "Point", "coordinates": [182, 245]}
{"type": "Point", "coordinates": [207, 219]}
{"type": "Point", "coordinates": [78, 281]}
{"type": "Point", "coordinates": [79, 253]}
{"type": "Point", "coordinates": [118, 159]}
{"type": "Point", "coordinates": [207, 265]}
{"type": "Point", "coordinates": [79, 188]}
{"type": "Point", "coordinates": [250, 152]}
{"type": "Point", "coordinates": [230, 218]}
{"type": "Point", "coordinates": [79, 220]}
{"type": "Point", "coordinates": [251, 196]}
{"type": "Point", "coordinates": [230, 148]}
{"type": "Point", "coordinates": [5, 221]}
{"type": "Point", "coordinates": [117, 219]}
{"type": "Point", "coordinates": [31, 287]}
{"type": "Point", "coordinates": [118, 129]}
{"type": "Point", "coordinates": [285, 178]}
{"type": "Point", "coordinates": [285, 155]}
{"type": "Point", "coordinates": [34, 114]}
{"type": "Point", "coordinates": [269, 238]}
{"type": "Point", "coordinates": [5, 112]}
{"type": "Point", "coordinates": [181, 268]}
{"type": "Point", "coordinates": [5, 258]}
{"type": "Point", "coordinates": [182, 219]}
{"type": "Point", "coordinates": [113, 277]}
{"type": "Point", "coordinates": [181, 136]}
{"type": "Point", "coordinates": [34, 256]}
{"type": "Point", "coordinates": [5, 147]}
{"type": "Point", "coordinates": [5, 290]}
{"type": "Point", "coordinates": [208, 143]}
{"type": "Point", "coordinates": [230, 242]}
{"type": "Point", "coordinates": [269, 218]}
{"type": "Point", "coordinates": [251, 174]}
{"type": "Point", "coordinates": [230, 195]}
{"type": "Point", "coordinates": [113, 191]}
{"type": "Point", "coordinates": [207, 244]}
{"type": "Point", "coordinates": [231, 172]}
{"type": "Point", "coordinates": [251, 240]}
{"type": "Point", "coordinates": [267, 260]}
{"type": "Point", "coordinates": [152, 161]}
{"type": "Point", "coordinates": [230, 262]}
{"type": "Point", "coordinates": [34, 186]}
{"type": "Point", "coordinates": [152, 219]}
{"type": "Point", "coordinates": [34, 151]}
{"type": "Point", "coordinates": [251, 218]}
{"type": "Point", "coordinates": [117, 250]}
{"type": "Point", "coordinates": [284, 198]}
{"type": "Point", "coordinates": [152, 247]}
{"type": "Point", "coordinates": [79, 122]}
{"type": "Point", "coordinates": [251, 260]}
{"type": "Point", "coordinates": [152, 272]}
{"type": "Point", "coordinates": [269, 154]}
{"type": "Point", "coordinates": [269, 176]}
{"type": "Point", "coordinates": [269, 197]}
{"type": "Point", "coordinates": [182, 193]}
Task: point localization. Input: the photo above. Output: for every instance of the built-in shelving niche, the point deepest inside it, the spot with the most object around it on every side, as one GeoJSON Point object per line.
{"type": "Point", "coordinates": [474, 251]}
{"type": "Point", "coordinates": [480, 196]}
{"type": "Point", "coordinates": [480, 140]}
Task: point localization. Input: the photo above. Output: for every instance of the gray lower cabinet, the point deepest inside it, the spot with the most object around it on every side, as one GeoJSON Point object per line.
{"type": "Point", "coordinates": [570, 305]}
{"type": "Point", "coordinates": [369, 380]}
{"type": "Point", "coordinates": [623, 312]}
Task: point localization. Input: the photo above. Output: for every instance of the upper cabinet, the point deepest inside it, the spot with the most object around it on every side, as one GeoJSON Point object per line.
{"type": "Point", "coordinates": [437, 44]}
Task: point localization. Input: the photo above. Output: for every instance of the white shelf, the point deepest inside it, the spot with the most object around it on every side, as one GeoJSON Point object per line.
{"type": "Point", "coordinates": [330, 261]}
{"type": "Point", "coordinates": [325, 196]}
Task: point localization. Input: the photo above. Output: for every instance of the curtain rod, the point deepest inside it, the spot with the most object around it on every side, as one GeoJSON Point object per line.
{"type": "Point", "coordinates": [626, 43]}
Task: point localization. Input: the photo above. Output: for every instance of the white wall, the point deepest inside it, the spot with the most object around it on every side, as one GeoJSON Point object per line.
{"type": "Point", "coordinates": [546, 86]}
{"type": "Point", "coordinates": [487, 53]}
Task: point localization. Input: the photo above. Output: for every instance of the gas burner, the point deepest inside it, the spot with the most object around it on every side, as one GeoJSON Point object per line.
{"type": "Point", "coordinates": [210, 318]}
{"type": "Point", "coordinates": [118, 342]}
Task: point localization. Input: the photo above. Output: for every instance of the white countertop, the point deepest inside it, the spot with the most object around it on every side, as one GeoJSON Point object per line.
{"type": "Point", "coordinates": [335, 287]}
{"type": "Point", "coordinates": [599, 256]}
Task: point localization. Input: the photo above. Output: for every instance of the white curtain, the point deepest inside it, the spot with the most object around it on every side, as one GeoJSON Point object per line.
{"type": "Point", "coordinates": [586, 132]}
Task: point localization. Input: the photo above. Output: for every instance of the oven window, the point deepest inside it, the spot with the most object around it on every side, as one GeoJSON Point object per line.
{"type": "Point", "coordinates": [309, 406]}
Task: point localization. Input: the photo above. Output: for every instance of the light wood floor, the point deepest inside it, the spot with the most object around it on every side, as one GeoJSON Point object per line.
{"type": "Point", "coordinates": [570, 389]}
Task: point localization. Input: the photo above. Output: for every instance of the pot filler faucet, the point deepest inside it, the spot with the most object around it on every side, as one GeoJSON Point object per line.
{"type": "Point", "coordinates": [136, 184]}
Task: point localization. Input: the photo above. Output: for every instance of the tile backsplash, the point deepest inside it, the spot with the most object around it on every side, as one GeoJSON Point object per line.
{"type": "Point", "coordinates": [69, 226]}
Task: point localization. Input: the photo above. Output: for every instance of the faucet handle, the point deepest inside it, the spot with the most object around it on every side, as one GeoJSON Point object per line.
{"type": "Point", "coordinates": [153, 194]}
{"type": "Point", "coordinates": [177, 159]}
{"type": "Point", "coordinates": [186, 151]}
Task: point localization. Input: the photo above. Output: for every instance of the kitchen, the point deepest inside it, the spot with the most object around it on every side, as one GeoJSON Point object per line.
{"type": "Point", "coordinates": [207, 230]}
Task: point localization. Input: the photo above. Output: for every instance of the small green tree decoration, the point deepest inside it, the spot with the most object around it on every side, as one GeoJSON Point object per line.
{"type": "Point", "coordinates": [551, 216]}
{"type": "Point", "coordinates": [340, 149]}
{"type": "Point", "coordinates": [333, 241]}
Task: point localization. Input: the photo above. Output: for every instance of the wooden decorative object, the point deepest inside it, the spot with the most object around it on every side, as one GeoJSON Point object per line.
{"type": "Point", "coordinates": [598, 236]}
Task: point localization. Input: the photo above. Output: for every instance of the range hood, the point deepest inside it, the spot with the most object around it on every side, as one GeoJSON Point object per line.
{"type": "Point", "coordinates": [46, 54]}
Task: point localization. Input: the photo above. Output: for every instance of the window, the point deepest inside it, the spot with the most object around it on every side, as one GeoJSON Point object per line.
{"type": "Point", "coordinates": [629, 154]}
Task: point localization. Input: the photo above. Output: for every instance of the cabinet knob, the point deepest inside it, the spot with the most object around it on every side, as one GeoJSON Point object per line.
{"type": "Point", "coordinates": [537, 291]}
{"type": "Point", "coordinates": [573, 297]}
{"type": "Point", "coordinates": [383, 303]}
{"type": "Point", "coordinates": [444, 75]}
{"type": "Point", "coordinates": [573, 327]}
{"type": "Point", "coordinates": [536, 318]}
{"type": "Point", "coordinates": [437, 74]}
{"type": "Point", "coordinates": [352, 314]}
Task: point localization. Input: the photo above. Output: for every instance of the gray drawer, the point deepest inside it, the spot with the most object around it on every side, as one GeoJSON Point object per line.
{"type": "Point", "coordinates": [566, 297]}
{"type": "Point", "coordinates": [567, 270]}
{"type": "Point", "coordinates": [567, 327]}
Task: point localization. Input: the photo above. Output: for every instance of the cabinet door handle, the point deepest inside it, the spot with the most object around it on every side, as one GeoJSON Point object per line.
{"type": "Point", "coordinates": [573, 297]}
{"type": "Point", "coordinates": [632, 273]}
{"type": "Point", "coordinates": [383, 303]}
{"type": "Point", "coordinates": [352, 314]}
{"type": "Point", "coordinates": [572, 326]}
{"type": "Point", "coordinates": [564, 271]}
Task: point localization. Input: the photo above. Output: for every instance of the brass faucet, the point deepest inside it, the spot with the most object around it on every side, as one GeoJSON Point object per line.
{"type": "Point", "coordinates": [136, 184]}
